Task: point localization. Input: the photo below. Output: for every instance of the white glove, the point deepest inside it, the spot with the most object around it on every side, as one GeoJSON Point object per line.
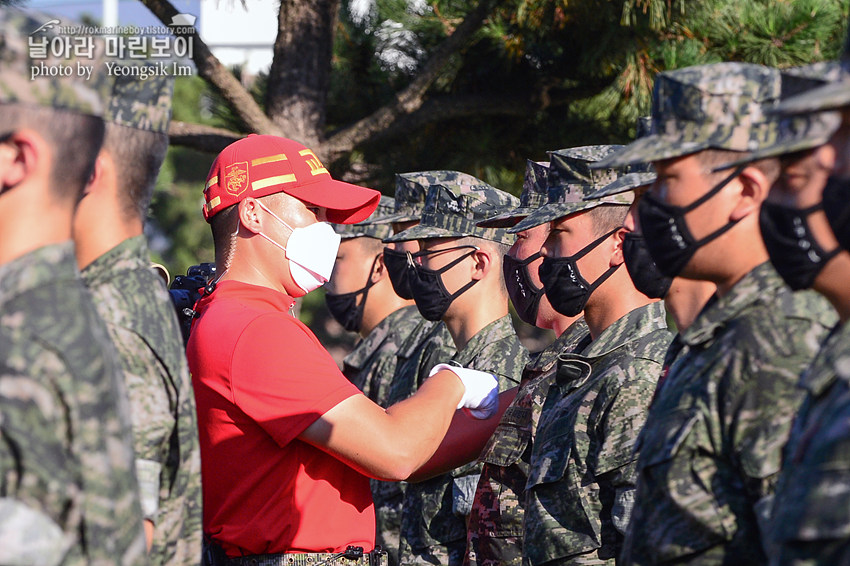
{"type": "Point", "coordinates": [481, 395]}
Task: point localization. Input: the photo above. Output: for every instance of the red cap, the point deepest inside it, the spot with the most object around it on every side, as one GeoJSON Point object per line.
{"type": "Point", "coordinates": [257, 166]}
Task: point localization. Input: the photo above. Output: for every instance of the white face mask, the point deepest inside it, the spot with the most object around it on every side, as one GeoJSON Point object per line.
{"type": "Point", "coordinates": [311, 251]}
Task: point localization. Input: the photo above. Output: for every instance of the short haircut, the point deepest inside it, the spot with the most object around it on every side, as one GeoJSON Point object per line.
{"type": "Point", "coordinates": [138, 156]}
{"type": "Point", "coordinates": [711, 158]}
{"type": "Point", "coordinates": [224, 226]}
{"type": "Point", "coordinates": [372, 245]}
{"type": "Point", "coordinates": [497, 251]}
{"type": "Point", "coordinates": [607, 217]}
{"type": "Point", "coordinates": [74, 138]}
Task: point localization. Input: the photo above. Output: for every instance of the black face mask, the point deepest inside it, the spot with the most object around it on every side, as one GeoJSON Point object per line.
{"type": "Point", "coordinates": [344, 307]}
{"type": "Point", "coordinates": [432, 298]}
{"type": "Point", "coordinates": [645, 275]}
{"type": "Point", "coordinates": [836, 205]}
{"type": "Point", "coordinates": [524, 294]}
{"type": "Point", "coordinates": [666, 232]}
{"type": "Point", "coordinates": [793, 250]}
{"type": "Point", "coordinates": [566, 289]}
{"type": "Point", "coordinates": [400, 271]}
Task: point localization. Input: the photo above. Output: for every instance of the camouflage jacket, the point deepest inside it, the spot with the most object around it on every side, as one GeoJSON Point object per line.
{"type": "Point", "coordinates": [581, 478]}
{"type": "Point", "coordinates": [433, 524]}
{"type": "Point", "coordinates": [810, 523]}
{"type": "Point", "coordinates": [140, 318]}
{"type": "Point", "coordinates": [710, 452]}
{"type": "Point", "coordinates": [372, 363]}
{"type": "Point", "coordinates": [68, 490]}
{"type": "Point", "coordinates": [427, 345]}
{"type": "Point", "coordinates": [495, 522]}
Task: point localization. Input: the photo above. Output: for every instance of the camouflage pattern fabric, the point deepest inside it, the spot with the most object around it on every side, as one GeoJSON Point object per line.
{"type": "Point", "coordinates": [66, 456]}
{"type": "Point", "coordinates": [535, 186]}
{"type": "Point", "coordinates": [454, 205]}
{"type": "Point", "coordinates": [77, 92]}
{"type": "Point", "coordinates": [427, 345]}
{"type": "Point", "coordinates": [582, 475]}
{"type": "Point", "coordinates": [710, 452]}
{"type": "Point", "coordinates": [368, 228]}
{"type": "Point", "coordinates": [810, 523]}
{"type": "Point", "coordinates": [719, 106]}
{"type": "Point", "coordinates": [832, 96]}
{"type": "Point", "coordinates": [495, 524]}
{"type": "Point", "coordinates": [571, 178]}
{"type": "Point", "coordinates": [140, 319]}
{"type": "Point", "coordinates": [433, 524]}
{"type": "Point", "coordinates": [410, 192]}
{"type": "Point", "coordinates": [371, 367]}
{"type": "Point", "coordinates": [141, 104]}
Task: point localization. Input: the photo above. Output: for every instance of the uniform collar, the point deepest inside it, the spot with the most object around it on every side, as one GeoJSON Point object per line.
{"type": "Point", "coordinates": [364, 349]}
{"type": "Point", "coordinates": [129, 255]}
{"type": "Point", "coordinates": [45, 265]}
{"type": "Point", "coordinates": [499, 329]}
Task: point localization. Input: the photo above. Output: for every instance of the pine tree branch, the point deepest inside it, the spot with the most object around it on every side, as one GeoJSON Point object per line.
{"type": "Point", "coordinates": [411, 97]}
{"type": "Point", "coordinates": [212, 70]}
{"type": "Point", "coordinates": [202, 138]}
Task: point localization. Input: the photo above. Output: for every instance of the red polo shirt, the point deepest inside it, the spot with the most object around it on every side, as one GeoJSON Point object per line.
{"type": "Point", "coordinates": [261, 378]}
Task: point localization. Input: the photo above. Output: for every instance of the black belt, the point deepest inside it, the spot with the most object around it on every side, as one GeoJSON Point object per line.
{"type": "Point", "coordinates": [353, 556]}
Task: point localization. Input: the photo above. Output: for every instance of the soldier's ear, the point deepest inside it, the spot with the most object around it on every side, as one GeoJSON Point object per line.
{"type": "Point", "coordinates": [379, 270]}
{"type": "Point", "coordinates": [248, 216]}
{"type": "Point", "coordinates": [755, 187]}
{"type": "Point", "coordinates": [482, 262]}
{"type": "Point", "coordinates": [21, 154]}
{"type": "Point", "coordinates": [617, 251]}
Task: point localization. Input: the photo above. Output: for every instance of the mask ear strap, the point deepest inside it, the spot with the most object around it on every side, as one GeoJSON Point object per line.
{"type": "Point", "coordinates": [714, 190]}
{"type": "Point", "coordinates": [588, 248]}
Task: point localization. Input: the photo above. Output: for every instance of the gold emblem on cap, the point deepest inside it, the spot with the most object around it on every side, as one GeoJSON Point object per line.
{"type": "Point", "coordinates": [316, 167]}
{"type": "Point", "coordinates": [236, 178]}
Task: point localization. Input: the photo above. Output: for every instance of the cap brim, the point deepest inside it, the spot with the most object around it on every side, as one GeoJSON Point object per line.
{"type": "Point", "coordinates": [422, 232]}
{"type": "Point", "coordinates": [828, 97]}
{"type": "Point", "coordinates": [345, 203]}
{"type": "Point", "coordinates": [391, 218]}
{"type": "Point", "coordinates": [628, 182]}
{"type": "Point", "coordinates": [774, 151]}
{"type": "Point", "coordinates": [648, 149]}
{"type": "Point", "coordinates": [506, 219]}
{"type": "Point", "coordinates": [550, 212]}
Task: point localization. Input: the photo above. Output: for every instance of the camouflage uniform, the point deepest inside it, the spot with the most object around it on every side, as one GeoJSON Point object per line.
{"type": "Point", "coordinates": [433, 526]}
{"type": "Point", "coordinates": [67, 489]}
{"type": "Point", "coordinates": [141, 322]}
{"type": "Point", "coordinates": [495, 523]}
{"type": "Point", "coordinates": [810, 523]}
{"type": "Point", "coordinates": [710, 450]}
{"type": "Point", "coordinates": [433, 529]}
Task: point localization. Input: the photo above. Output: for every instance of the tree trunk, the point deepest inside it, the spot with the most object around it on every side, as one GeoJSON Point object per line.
{"type": "Point", "coordinates": [299, 77]}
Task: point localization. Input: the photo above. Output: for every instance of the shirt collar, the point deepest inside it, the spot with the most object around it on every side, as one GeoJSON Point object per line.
{"type": "Point", "coordinates": [48, 264]}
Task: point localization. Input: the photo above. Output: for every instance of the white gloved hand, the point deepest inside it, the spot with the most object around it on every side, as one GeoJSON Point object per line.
{"type": "Point", "coordinates": [481, 395]}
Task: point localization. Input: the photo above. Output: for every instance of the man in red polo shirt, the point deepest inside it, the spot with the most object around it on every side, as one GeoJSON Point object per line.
{"type": "Point", "coordinates": [287, 442]}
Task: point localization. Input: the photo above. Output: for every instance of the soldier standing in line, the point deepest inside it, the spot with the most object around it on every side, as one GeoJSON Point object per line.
{"type": "Point", "coordinates": [114, 260]}
{"type": "Point", "coordinates": [495, 523]}
{"type": "Point", "coordinates": [581, 471]}
{"type": "Point", "coordinates": [804, 225]}
{"type": "Point", "coordinates": [458, 279]}
{"type": "Point", "coordinates": [69, 494]}
{"type": "Point", "coordinates": [362, 299]}
{"type": "Point", "coordinates": [360, 296]}
{"type": "Point", "coordinates": [710, 450]}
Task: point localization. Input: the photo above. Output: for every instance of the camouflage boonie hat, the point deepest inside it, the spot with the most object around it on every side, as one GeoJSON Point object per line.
{"type": "Point", "coordinates": [533, 196]}
{"type": "Point", "coordinates": [452, 209]}
{"type": "Point", "coordinates": [365, 228]}
{"type": "Point", "coordinates": [716, 106]}
{"type": "Point", "coordinates": [141, 104]}
{"type": "Point", "coordinates": [570, 180]}
{"type": "Point", "coordinates": [832, 96]}
{"type": "Point", "coordinates": [639, 176]}
{"type": "Point", "coordinates": [27, 48]}
{"type": "Point", "coordinates": [410, 191]}
{"type": "Point", "coordinates": [798, 132]}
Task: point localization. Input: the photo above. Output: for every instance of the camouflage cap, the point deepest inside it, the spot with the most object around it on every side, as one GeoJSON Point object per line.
{"type": "Point", "coordinates": [639, 176]}
{"type": "Point", "coordinates": [410, 192]}
{"type": "Point", "coordinates": [141, 104]}
{"type": "Point", "coordinates": [31, 72]}
{"type": "Point", "coordinates": [452, 209]}
{"type": "Point", "coordinates": [570, 180]}
{"type": "Point", "coordinates": [832, 96]}
{"type": "Point", "coordinates": [533, 196]}
{"type": "Point", "coordinates": [716, 106]}
{"type": "Point", "coordinates": [798, 132]}
{"type": "Point", "coordinates": [366, 228]}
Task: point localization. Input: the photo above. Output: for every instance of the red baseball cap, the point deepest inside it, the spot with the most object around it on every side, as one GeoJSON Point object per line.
{"type": "Point", "coordinates": [257, 166]}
